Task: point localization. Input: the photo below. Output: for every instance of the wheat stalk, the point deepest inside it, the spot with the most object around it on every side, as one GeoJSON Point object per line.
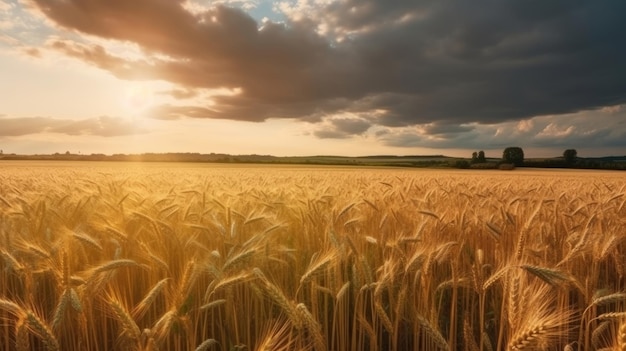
{"type": "Point", "coordinates": [611, 316]}
{"type": "Point", "coordinates": [149, 299]}
{"type": "Point", "coordinates": [75, 300]}
{"type": "Point", "coordinates": [597, 335]}
{"type": "Point", "coordinates": [12, 308]}
{"type": "Point", "coordinates": [279, 298]}
{"type": "Point", "coordinates": [41, 329]}
{"type": "Point", "coordinates": [540, 323]}
{"type": "Point", "coordinates": [608, 299]}
{"type": "Point", "coordinates": [114, 264]}
{"type": "Point", "coordinates": [129, 326]}
{"type": "Point", "coordinates": [228, 282]}
{"type": "Point", "coordinates": [342, 291]}
{"type": "Point", "coordinates": [621, 335]}
{"type": "Point", "coordinates": [88, 240]}
{"type": "Point", "coordinates": [382, 314]}
{"type": "Point", "coordinates": [550, 276]}
{"type": "Point", "coordinates": [22, 341]}
{"type": "Point", "coordinates": [312, 326]}
{"type": "Point", "coordinates": [163, 325]}
{"type": "Point", "coordinates": [239, 257]}
{"type": "Point", "coordinates": [59, 312]}
{"type": "Point", "coordinates": [367, 327]}
{"type": "Point", "coordinates": [432, 332]}
{"type": "Point", "coordinates": [276, 337]}
{"type": "Point", "coordinates": [468, 336]}
{"type": "Point", "coordinates": [318, 264]}
{"type": "Point", "coordinates": [213, 304]}
{"type": "Point", "coordinates": [514, 298]}
{"type": "Point", "coordinates": [528, 337]}
{"type": "Point", "coordinates": [382, 269]}
{"type": "Point", "coordinates": [495, 277]}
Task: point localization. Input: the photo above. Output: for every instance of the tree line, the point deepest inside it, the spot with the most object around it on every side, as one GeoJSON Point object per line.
{"type": "Point", "coordinates": [513, 156]}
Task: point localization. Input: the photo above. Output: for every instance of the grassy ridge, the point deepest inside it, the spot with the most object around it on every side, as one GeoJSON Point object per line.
{"type": "Point", "coordinates": [304, 259]}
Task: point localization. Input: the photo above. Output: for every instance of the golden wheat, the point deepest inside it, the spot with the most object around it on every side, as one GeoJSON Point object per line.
{"type": "Point", "coordinates": [284, 258]}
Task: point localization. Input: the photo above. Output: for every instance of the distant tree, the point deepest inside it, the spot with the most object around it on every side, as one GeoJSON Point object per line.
{"type": "Point", "coordinates": [481, 157]}
{"type": "Point", "coordinates": [463, 164]}
{"type": "Point", "coordinates": [514, 155]}
{"type": "Point", "coordinates": [570, 155]}
{"type": "Point", "coordinates": [474, 157]}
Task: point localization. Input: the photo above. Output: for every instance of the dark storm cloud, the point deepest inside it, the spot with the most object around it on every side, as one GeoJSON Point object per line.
{"type": "Point", "coordinates": [446, 129]}
{"type": "Point", "coordinates": [351, 125]}
{"type": "Point", "coordinates": [420, 61]}
{"type": "Point", "coordinates": [342, 128]}
{"type": "Point", "coordinates": [99, 126]}
{"type": "Point", "coordinates": [591, 129]}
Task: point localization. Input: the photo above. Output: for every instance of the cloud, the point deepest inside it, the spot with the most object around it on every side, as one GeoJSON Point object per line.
{"type": "Point", "coordinates": [6, 12]}
{"type": "Point", "coordinates": [590, 129]}
{"type": "Point", "coordinates": [446, 129]}
{"type": "Point", "coordinates": [180, 93]}
{"type": "Point", "coordinates": [351, 125]}
{"type": "Point", "coordinates": [525, 125]}
{"type": "Point", "coordinates": [5, 6]}
{"type": "Point", "coordinates": [100, 126]}
{"type": "Point", "coordinates": [553, 131]}
{"type": "Point", "coordinates": [342, 127]}
{"type": "Point", "coordinates": [438, 73]}
{"type": "Point", "coordinates": [330, 134]}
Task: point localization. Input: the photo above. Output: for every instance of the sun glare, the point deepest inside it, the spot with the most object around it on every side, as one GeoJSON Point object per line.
{"type": "Point", "coordinates": [137, 99]}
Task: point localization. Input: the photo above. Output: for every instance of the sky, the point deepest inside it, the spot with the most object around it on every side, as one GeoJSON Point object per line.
{"type": "Point", "coordinates": [313, 77]}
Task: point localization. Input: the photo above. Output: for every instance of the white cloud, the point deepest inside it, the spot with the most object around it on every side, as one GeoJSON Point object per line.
{"type": "Point", "coordinates": [525, 125]}
{"type": "Point", "coordinates": [585, 129]}
{"type": "Point", "coordinates": [612, 109]}
{"type": "Point", "coordinates": [5, 6]}
{"type": "Point", "coordinates": [7, 20]}
{"type": "Point", "coordinates": [552, 130]}
{"type": "Point", "coordinates": [100, 126]}
{"type": "Point", "coordinates": [199, 7]}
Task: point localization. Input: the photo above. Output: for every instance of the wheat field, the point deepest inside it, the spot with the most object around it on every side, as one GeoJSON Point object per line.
{"type": "Point", "coordinates": [194, 257]}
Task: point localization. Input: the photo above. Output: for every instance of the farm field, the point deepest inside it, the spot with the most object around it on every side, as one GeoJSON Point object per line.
{"type": "Point", "coordinates": [163, 256]}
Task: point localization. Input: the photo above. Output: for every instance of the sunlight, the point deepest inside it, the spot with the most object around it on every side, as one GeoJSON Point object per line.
{"type": "Point", "coordinates": [138, 98]}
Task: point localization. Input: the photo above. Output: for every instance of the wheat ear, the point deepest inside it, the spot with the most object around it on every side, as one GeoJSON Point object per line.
{"type": "Point", "coordinates": [513, 301]}
{"type": "Point", "coordinates": [550, 276]}
{"type": "Point", "coordinates": [129, 327]}
{"type": "Point", "coordinates": [150, 297]}
{"type": "Point", "coordinates": [279, 298]}
{"type": "Point", "coordinates": [621, 336]}
{"type": "Point", "coordinates": [276, 337]}
{"type": "Point", "coordinates": [598, 334]}
{"type": "Point", "coordinates": [11, 307]}
{"type": "Point", "coordinates": [59, 312]}
{"type": "Point", "coordinates": [42, 330]}
{"type": "Point", "coordinates": [468, 336]}
{"type": "Point", "coordinates": [234, 260]}
{"type": "Point", "coordinates": [22, 341]}
{"type": "Point", "coordinates": [206, 344]}
{"type": "Point", "coordinates": [75, 301]}
{"type": "Point", "coordinates": [432, 332]}
{"type": "Point", "coordinates": [367, 327]}
{"type": "Point", "coordinates": [528, 337]}
{"type": "Point", "coordinates": [317, 265]}
{"type": "Point", "coordinates": [312, 326]}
